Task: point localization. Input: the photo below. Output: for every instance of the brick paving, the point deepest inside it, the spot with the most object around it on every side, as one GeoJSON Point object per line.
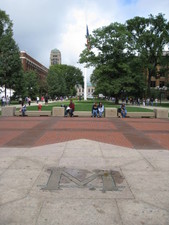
{"type": "Point", "coordinates": [38, 131]}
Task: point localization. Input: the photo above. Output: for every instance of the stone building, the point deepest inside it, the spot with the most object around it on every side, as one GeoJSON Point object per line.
{"type": "Point", "coordinates": [55, 57]}
{"type": "Point", "coordinates": [90, 90]}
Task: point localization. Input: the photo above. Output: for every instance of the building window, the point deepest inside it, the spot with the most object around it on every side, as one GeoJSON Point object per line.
{"type": "Point", "coordinates": [153, 83]}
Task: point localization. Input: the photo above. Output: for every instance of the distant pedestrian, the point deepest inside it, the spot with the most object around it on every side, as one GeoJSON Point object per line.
{"type": "Point", "coordinates": [127, 100]}
{"type": "Point", "coordinates": [138, 101]}
{"type": "Point", "coordinates": [46, 99]}
{"type": "Point", "coordinates": [3, 101]}
{"type": "Point", "coordinates": [37, 99]}
{"type": "Point", "coordinates": [26, 100]}
{"type": "Point", "coordinates": [147, 101]}
{"type": "Point", "coordinates": [156, 101]}
{"type": "Point", "coordinates": [7, 100]}
{"type": "Point", "coordinates": [42, 99]}
{"type": "Point", "coordinates": [29, 101]}
{"type": "Point", "coordinates": [151, 100]}
{"type": "Point", "coordinates": [20, 100]}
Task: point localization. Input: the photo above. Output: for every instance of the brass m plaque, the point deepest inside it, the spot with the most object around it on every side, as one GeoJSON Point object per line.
{"type": "Point", "coordinates": [57, 174]}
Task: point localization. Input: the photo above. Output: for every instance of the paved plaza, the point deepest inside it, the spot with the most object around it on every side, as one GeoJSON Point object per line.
{"type": "Point", "coordinates": [84, 171]}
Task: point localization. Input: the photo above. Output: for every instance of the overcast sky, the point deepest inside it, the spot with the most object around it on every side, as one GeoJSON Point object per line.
{"type": "Point", "coordinates": [42, 25]}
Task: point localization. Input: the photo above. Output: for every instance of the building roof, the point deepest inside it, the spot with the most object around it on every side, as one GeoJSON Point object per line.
{"type": "Point", "coordinates": [89, 84]}
{"type": "Point", "coordinates": [55, 51]}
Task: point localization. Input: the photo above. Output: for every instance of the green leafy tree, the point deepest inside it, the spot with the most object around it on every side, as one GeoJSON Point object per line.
{"type": "Point", "coordinates": [111, 57]}
{"type": "Point", "coordinates": [30, 87]}
{"type": "Point", "coordinates": [19, 85]}
{"type": "Point", "coordinates": [148, 38]}
{"type": "Point", "coordinates": [62, 80]}
{"type": "Point", "coordinates": [43, 85]}
{"type": "Point", "coordinates": [10, 63]}
{"type": "Point", "coordinates": [56, 83]}
{"type": "Point", "coordinates": [73, 76]}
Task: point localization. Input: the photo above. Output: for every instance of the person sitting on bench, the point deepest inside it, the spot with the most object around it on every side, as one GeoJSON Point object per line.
{"type": "Point", "coordinates": [70, 109]}
{"type": "Point", "coordinates": [123, 110]}
{"type": "Point", "coordinates": [100, 109]}
{"type": "Point", "coordinates": [23, 109]}
{"type": "Point", "coordinates": [94, 110]}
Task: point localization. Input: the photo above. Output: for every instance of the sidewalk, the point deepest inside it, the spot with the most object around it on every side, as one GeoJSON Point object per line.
{"type": "Point", "coordinates": [80, 171]}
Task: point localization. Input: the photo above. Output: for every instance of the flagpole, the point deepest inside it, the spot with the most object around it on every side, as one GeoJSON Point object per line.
{"type": "Point", "coordinates": [85, 69]}
{"type": "Point", "coordinates": [85, 83]}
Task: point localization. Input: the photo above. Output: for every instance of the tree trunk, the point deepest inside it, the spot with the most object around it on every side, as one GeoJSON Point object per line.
{"type": "Point", "coordinates": [149, 82]}
{"type": "Point", "coordinates": [5, 91]}
{"type": "Point", "coordinates": [116, 100]}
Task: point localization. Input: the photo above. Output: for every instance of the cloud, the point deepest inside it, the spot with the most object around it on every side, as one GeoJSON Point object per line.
{"type": "Point", "coordinates": [42, 25]}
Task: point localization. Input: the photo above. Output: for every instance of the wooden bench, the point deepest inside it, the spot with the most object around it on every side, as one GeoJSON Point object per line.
{"type": "Point", "coordinates": [34, 113]}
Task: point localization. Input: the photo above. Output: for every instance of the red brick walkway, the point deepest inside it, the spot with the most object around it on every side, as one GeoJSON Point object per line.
{"type": "Point", "coordinates": [37, 131]}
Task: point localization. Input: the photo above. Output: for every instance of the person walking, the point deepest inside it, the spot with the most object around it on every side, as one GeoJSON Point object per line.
{"type": "Point", "coordinates": [156, 101]}
{"type": "Point", "coordinates": [29, 101]}
{"type": "Point", "coordinates": [37, 99]}
{"type": "Point", "coordinates": [7, 100]}
{"type": "Point", "coordinates": [46, 99]}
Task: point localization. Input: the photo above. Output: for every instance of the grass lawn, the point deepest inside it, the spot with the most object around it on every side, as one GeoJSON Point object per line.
{"type": "Point", "coordinates": [87, 106]}
{"type": "Point", "coordinates": [163, 105]}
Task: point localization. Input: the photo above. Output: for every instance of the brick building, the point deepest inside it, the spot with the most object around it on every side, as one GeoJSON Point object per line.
{"type": "Point", "coordinates": [160, 80]}
{"type": "Point", "coordinates": [30, 63]}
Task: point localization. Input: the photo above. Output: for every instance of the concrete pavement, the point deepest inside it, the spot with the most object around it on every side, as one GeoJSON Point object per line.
{"type": "Point", "coordinates": [84, 171]}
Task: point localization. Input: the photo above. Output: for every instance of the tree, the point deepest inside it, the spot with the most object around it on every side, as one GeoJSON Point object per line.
{"type": "Point", "coordinates": [43, 85]}
{"type": "Point", "coordinates": [10, 63]}
{"type": "Point", "coordinates": [30, 86]}
{"type": "Point", "coordinates": [56, 83]}
{"type": "Point", "coordinates": [149, 36]}
{"type": "Point", "coordinates": [113, 62]}
{"type": "Point", "coordinates": [19, 85]}
{"type": "Point", "coordinates": [62, 80]}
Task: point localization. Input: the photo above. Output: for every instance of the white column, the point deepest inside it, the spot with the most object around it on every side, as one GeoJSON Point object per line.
{"type": "Point", "coordinates": [85, 84]}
